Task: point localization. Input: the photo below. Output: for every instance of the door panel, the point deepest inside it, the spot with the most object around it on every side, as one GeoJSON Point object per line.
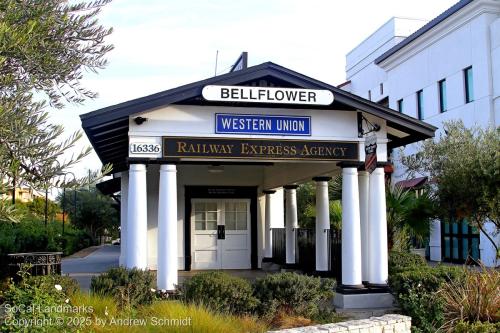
{"type": "Point", "coordinates": [204, 219]}
{"type": "Point", "coordinates": [236, 246]}
{"type": "Point", "coordinates": [211, 251]}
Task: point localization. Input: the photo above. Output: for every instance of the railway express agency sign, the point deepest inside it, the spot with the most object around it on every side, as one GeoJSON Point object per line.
{"type": "Point", "coordinates": [267, 95]}
{"type": "Point", "coordinates": [259, 149]}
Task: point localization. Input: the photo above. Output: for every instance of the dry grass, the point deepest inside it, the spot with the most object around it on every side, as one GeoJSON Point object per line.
{"type": "Point", "coordinates": [283, 319]}
{"type": "Point", "coordinates": [162, 316]}
{"type": "Point", "coordinates": [474, 298]}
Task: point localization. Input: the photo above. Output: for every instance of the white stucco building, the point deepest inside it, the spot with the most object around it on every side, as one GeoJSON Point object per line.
{"type": "Point", "coordinates": [206, 170]}
{"type": "Point", "coordinates": [447, 68]}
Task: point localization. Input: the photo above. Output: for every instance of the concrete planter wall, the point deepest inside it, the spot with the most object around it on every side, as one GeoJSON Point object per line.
{"type": "Point", "coordinates": [389, 323]}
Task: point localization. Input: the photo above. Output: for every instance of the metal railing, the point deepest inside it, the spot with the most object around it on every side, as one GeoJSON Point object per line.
{"type": "Point", "coordinates": [279, 247]}
{"type": "Point", "coordinates": [335, 254]}
{"type": "Point", "coordinates": [305, 250]}
{"type": "Point", "coordinates": [40, 263]}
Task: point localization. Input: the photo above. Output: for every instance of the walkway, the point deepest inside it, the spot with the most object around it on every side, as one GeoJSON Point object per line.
{"type": "Point", "coordinates": [90, 262]}
{"type": "Point", "coordinates": [83, 269]}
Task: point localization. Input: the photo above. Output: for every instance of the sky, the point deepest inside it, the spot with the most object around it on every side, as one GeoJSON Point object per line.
{"type": "Point", "coordinates": [161, 44]}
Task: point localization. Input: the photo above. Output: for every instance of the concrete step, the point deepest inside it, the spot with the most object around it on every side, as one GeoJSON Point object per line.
{"type": "Point", "coordinates": [270, 267]}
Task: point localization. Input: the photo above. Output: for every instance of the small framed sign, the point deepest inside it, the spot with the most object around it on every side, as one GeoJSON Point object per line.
{"type": "Point", "coordinates": [371, 153]}
{"type": "Point", "coordinates": [228, 123]}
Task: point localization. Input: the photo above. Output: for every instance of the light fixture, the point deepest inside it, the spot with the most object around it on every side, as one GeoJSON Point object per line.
{"type": "Point", "coordinates": [140, 120]}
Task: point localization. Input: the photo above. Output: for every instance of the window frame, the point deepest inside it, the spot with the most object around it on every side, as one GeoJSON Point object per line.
{"type": "Point", "coordinates": [468, 85]}
{"type": "Point", "coordinates": [420, 102]}
{"type": "Point", "coordinates": [443, 99]}
{"type": "Point", "coordinates": [400, 105]}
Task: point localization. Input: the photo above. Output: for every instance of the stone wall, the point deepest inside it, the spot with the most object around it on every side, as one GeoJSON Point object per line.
{"type": "Point", "coordinates": [391, 323]}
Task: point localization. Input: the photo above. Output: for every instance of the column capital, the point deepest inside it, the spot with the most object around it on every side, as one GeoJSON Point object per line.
{"type": "Point", "coordinates": [290, 187]}
{"type": "Point", "coordinates": [350, 164]}
{"type": "Point", "coordinates": [269, 191]}
{"type": "Point", "coordinates": [322, 179]}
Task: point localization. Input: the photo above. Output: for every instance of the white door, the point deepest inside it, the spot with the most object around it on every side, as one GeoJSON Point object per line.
{"type": "Point", "coordinates": [220, 232]}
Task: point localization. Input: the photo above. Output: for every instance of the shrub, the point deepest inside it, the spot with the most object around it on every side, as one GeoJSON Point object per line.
{"type": "Point", "coordinates": [19, 298]}
{"type": "Point", "coordinates": [402, 261]}
{"type": "Point", "coordinates": [33, 236]}
{"type": "Point", "coordinates": [69, 286]}
{"type": "Point", "coordinates": [474, 298]}
{"type": "Point", "coordinates": [293, 293]}
{"type": "Point", "coordinates": [416, 292]}
{"type": "Point", "coordinates": [220, 292]}
{"type": "Point", "coordinates": [476, 327]}
{"type": "Point", "coordinates": [129, 287]}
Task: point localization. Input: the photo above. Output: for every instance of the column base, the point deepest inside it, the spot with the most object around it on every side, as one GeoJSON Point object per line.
{"type": "Point", "coordinates": [363, 300]}
{"type": "Point", "coordinates": [378, 288]}
{"type": "Point", "coordinates": [351, 289]}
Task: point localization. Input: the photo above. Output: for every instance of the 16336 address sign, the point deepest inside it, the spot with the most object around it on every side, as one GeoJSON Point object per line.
{"type": "Point", "coordinates": [145, 148]}
{"type": "Point", "coordinates": [259, 149]}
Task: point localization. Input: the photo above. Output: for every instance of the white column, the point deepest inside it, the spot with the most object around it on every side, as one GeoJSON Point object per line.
{"type": "Point", "coordinates": [435, 241]}
{"type": "Point", "coordinates": [268, 235]}
{"type": "Point", "coordinates": [351, 234]}
{"type": "Point", "coordinates": [291, 222]}
{"type": "Point", "coordinates": [123, 217]}
{"type": "Point", "coordinates": [137, 220]}
{"type": "Point", "coordinates": [322, 223]}
{"type": "Point", "coordinates": [167, 228]}
{"type": "Point", "coordinates": [377, 229]}
{"type": "Point", "coordinates": [363, 180]}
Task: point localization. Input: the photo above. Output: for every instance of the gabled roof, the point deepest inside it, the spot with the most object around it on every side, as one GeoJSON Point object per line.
{"type": "Point", "coordinates": [107, 128]}
{"type": "Point", "coordinates": [431, 24]}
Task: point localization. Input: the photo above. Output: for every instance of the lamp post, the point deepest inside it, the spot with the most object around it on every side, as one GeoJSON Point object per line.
{"type": "Point", "coordinates": [64, 208]}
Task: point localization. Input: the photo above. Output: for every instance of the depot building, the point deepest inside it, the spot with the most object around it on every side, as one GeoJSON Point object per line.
{"type": "Point", "coordinates": [206, 170]}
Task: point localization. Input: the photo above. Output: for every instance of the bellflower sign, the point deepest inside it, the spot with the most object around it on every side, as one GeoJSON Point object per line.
{"type": "Point", "coordinates": [246, 94]}
{"type": "Point", "coordinates": [262, 124]}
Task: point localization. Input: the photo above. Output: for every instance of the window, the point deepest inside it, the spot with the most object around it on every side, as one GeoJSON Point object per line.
{"type": "Point", "coordinates": [442, 96]}
{"type": "Point", "coordinates": [469, 88]}
{"type": "Point", "coordinates": [381, 89]}
{"type": "Point", "coordinates": [370, 95]}
{"type": "Point", "coordinates": [400, 105]}
{"type": "Point", "coordinates": [236, 215]}
{"type": "Point", "coordinates": [420, 104]}
{"type": "Point", "coordinates": [205, 216]}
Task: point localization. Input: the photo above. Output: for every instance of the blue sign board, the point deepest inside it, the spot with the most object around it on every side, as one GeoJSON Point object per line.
{"type": "Point", "coordinates": [262, 124]}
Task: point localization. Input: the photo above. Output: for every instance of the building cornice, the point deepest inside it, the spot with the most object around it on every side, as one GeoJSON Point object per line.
{"type": "Point", "coordinates": [451, 24]}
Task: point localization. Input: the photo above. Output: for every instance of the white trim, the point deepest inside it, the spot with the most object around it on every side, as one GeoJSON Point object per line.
{"type": "Point", "coordinates": [452, 23]}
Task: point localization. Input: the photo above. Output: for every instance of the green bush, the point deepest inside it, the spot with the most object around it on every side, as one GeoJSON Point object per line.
{"type": "Point", "coordinates": [33, 236]}
{"type": "Point", "coordinates": [19, 298]}
{"type": "Point", "coordinates": [477, 327]}
{"type": "Point", "coordinates": [219, 292]}
{"type": "Point", "coordinates": [402, 261]}
{"type": "Point", "coordinates": [47, 282]}
{"type": "Point", "coordinates": [293, 293]}
{"type": "Point", "coordinates": [417, 294]}
{"type": "Point", "coordinates": [129, 287]}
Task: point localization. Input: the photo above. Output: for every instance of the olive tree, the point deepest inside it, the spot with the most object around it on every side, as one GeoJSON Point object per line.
{"type": "Point", "coordinates": [465, 163]}
{"type": "Point", "coordinates": [45, 47]}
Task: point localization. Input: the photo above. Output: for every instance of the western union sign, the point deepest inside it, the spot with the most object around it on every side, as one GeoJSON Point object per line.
{"type": "Point", "coordinates": [267, 95]}
{"type": "Point", "coordinates": [258, 149]}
